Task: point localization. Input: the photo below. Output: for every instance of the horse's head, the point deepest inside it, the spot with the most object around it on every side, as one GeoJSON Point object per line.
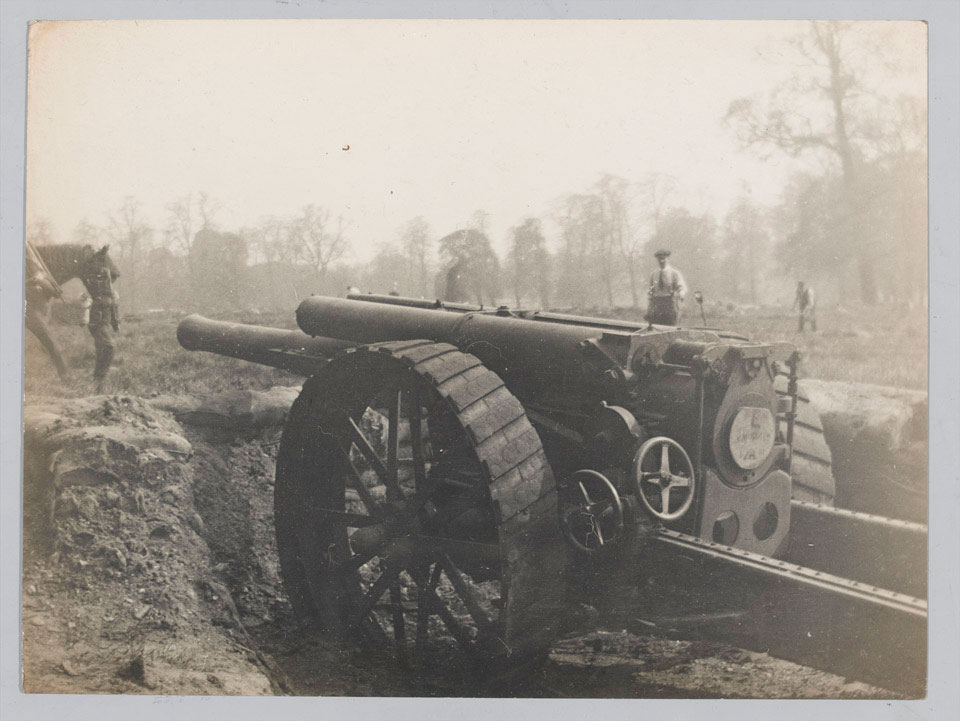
{"type": "Point", "coordinates": [94, 261]}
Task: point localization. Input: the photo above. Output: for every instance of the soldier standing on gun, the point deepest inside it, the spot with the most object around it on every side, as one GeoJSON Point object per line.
{"type": "Point", "coordinates": [666, 293]}
{"type": "Point", "coordinates": [104, 321]}
{"type": "Point", "coordinates": [806, 302]}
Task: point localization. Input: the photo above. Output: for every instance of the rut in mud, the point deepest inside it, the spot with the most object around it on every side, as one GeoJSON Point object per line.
{"type": "Point", "coordinates": [150, 566]}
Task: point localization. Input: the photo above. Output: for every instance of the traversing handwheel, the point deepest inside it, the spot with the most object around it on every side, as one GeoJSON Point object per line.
{"type": "Point", "coordinates": [664, 478]}
{"type": "Point", "coordinates": [413, 493]}
{"type": "Point", "coordinates": [591, 513]}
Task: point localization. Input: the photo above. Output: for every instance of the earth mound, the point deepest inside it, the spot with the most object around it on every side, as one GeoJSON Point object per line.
{"type": "Point", "coordinates": [150, 568]}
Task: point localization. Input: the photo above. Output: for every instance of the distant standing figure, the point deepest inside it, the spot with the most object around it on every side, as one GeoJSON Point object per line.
{"type": "Point", "coordinates": [667, 291]}
{"type": "Point", "coordinates": [806, 302]}
{"type": "Point", "coordinates": [104, 319]}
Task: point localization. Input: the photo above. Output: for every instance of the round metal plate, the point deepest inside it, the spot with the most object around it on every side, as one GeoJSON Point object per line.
{"type": "Point", "coordinates": [752, 435]}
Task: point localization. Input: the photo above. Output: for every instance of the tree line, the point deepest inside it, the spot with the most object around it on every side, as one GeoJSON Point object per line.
{"type": "Point", "coordinates": [851, 220]}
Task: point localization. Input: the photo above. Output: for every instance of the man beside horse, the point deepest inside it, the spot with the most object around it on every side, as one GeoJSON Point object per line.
{"type": "Point", "coordinates": [104, 317]}
{"type": "Point", "coordinates": [47, 267]}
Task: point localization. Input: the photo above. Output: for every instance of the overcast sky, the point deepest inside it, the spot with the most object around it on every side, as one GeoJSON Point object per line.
{"type": "Point", "coordinates": [385, 120]}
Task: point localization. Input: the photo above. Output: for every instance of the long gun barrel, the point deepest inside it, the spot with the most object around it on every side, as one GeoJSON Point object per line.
{"type": "Point", "coordinates": [542, 355]}
{"type": "Point", "coordinates": [290, 350]}
{"type": "Point", "coordinates": [549, 357]}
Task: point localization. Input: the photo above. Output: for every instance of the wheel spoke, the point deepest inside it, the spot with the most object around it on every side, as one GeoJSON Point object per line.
{"type": "Point", "coordinates": [425, 486]}
{"type": "Point", "coordinates": [665, 460]}
{"type": "Point", "coordinates": [482, 552]}
{"type": "Point", "coordinates": [371, 597]}
{"type": "Point", "coordinates": [370, 626]}
{"type": "Point", "coordinates": [583, 490]}
{"type": "Point", "coordinates": [355, 435]}
{"type": "Point", "coordinates": [437, 606]}
{"type": "Point", "coordinates": [424, 607]}
{"type": "Point", "coordinates": [679, 481]}
{"type": "Point", "coordinates": [350, 520]}
{"type": "Point", "coordinates": [449, 620]}
{"type": "Point", "coordinates": [393, 447]}
{"type": "Point", "coordinates": [665, 499]}
{"type": "Point", "coordinates": [597, 532]}
{"type": "Point", "coordinates": [373, 505]}
{"type": "Point", "coordinates": [652, 476]}
{"type": "Point", "coordinates": [416, 441]}
{"type": "Point", "coordinates": [399, 634]}
{"type": "Point", "coordinates": [600, 507]}
{"type": "Point", "coordinates": [354, 563]}
{"type": "Point", "coordinates": [467, 594]}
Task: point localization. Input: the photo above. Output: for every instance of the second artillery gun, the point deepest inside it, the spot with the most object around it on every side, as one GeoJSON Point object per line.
{"type": "Point", "coordinates": [451, 475]}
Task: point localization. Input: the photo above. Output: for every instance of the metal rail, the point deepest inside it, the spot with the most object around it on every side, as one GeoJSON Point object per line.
{"type": "Point", "coordinates": [797, 613]}
{"type": "Point", "coordinates": [874, 550]}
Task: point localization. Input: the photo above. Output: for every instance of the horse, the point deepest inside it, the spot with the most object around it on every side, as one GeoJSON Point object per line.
{"type": "Point", "coordinates": [64, 262]}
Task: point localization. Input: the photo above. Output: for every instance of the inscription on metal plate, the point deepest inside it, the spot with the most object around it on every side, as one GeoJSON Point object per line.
{"type": "Point", "coordinates": [751, 436]}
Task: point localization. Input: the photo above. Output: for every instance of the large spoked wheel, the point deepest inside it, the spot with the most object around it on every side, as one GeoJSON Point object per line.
{"type": "Point", "coordinates": [415, 508]}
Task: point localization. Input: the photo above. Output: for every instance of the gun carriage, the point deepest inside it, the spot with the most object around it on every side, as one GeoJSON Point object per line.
{"type": "Point", "coordinates": [450, 475]}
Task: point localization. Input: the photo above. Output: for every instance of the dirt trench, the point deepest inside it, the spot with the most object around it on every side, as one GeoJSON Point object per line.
{"type": "Point", "coordinates": [150, 567]}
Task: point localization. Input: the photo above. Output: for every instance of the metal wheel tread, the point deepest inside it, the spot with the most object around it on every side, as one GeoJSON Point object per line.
{"type": "Point", "coordinates": [812, 461]}
{"type": "Point", "coordinates": [506, 447]}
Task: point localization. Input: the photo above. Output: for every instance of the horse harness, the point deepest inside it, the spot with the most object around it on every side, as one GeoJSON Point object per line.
{"type": "Point", "coordinates": [39, 277]}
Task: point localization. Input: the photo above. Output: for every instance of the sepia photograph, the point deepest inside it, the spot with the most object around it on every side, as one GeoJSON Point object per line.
{"type": "Point", "coordinates": [475, 358]}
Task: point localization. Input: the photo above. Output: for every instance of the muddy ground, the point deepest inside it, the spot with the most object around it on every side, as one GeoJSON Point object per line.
{"type": "Point", "coordinates": [150, 568]}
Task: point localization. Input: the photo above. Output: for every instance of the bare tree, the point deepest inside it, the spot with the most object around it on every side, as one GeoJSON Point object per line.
{"type": "Point", "coordinates": [584, 262]}
{"type": "Point", "coordinates": [181, 224]}
{"type": "Point", "coordinates": [825, 107]}
{"type": "Point", "coordinates": [692, 239]}
{"type": "Point", "coordinates": [40, 231]}
{"type": "Point", "coordinates": [480, 220]}
{"type": "Point", "coordinates": [387, 271]}
{"type": "Point", "coordinates": [745, 241]}
{"type": "Point", "coordinates": [185, 216]}
{"type": "Point", "coordinates": [207, 209]}
{"type": "Point", "coordinates": [127, 229]}
{"type": "Point", "coordinates": [618, 234]}
{"type": "Point", "coordinates": [529, 263]}
{"type": "Point", "coordinates": [318, 241]}
{"type": "Point", "coordinates": [415, 244]}
{"type": "Point", "coordinates": [269, 241]}
{"type": "Point", "coordinates": [132, 237]}
{"type": "Point", "coordinates": [86, 233]}
{"type": "Point", "coordinates": [655, 192]}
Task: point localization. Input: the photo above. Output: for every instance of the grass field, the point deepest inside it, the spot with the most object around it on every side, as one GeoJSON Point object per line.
{"type": "Point", "coordinates": [882, 345]}
{"type": "Point", "coordinates": [885, 345]}
{"type": "Point", "coordinates": [148, 360]}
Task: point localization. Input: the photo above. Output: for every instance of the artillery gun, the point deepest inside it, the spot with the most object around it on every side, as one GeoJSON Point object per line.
{"type": "Point", "coordinates": [450, 476]}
